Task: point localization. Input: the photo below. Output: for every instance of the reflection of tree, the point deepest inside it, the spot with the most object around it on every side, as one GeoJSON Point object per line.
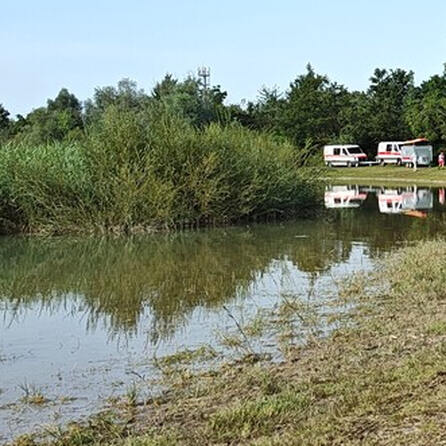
{"type": "Point", "coordinates": [115, 279]}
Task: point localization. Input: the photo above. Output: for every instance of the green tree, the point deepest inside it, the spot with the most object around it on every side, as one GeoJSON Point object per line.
{"type": "Point", "coordinates": [356, 127]}
{"type": "Point", "coordinates": [189, 99]}
{"type": "Point", "coordinates": [4, 117]}
{"type": "Point", "coordinates": [126, 96]}
{"type": "Point", "coordinates": [167, 86]}
{"type": "Point", "coordinates": [4, 123]}
{"type": "Point", "coordinates": [388, 95]}
{"type": "Point", "coordinates": [61, 119]}
{"type": "Point", "coordinates": [311, 110]}
{"type": "Point", "coordinates": [426, 109]}
{"type": "Point", "coordinates": [265, 114]}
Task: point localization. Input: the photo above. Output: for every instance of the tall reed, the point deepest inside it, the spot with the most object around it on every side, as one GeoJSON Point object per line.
{"type": "Point", "coordinates": [145, 170]}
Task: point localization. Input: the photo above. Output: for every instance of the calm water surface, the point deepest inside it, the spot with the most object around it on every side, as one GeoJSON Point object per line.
{"type": "Point", "coordinates": [81, 318]}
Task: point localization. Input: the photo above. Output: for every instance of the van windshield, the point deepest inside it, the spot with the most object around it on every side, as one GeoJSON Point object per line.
{"type": "Point", "coordinates": [354, 150]}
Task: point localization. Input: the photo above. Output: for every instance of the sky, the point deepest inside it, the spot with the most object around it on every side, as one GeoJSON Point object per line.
{"type": "Point", "coordinates": [47, 44]}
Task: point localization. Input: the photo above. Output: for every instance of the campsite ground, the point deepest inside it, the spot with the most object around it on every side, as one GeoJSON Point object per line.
{"type": "Point", "coordinates": [378, 175]}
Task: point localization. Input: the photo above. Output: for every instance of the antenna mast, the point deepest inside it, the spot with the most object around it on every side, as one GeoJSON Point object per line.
{"type": "Point", "coordinates": [204, 73]}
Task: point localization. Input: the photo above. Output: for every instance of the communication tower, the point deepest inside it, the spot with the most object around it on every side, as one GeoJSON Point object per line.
{"type": "Point", "coordinates": [204, 73]}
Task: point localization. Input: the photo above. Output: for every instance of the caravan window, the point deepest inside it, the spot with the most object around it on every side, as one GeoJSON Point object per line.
{"type": "Point", "coordinates": [354, 150]}
{"type": "Point", "coordinates": [336, 151]}
{"type": "Point", "coordinates": [389, 147]}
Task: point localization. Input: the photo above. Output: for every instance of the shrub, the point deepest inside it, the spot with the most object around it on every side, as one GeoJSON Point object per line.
{"type": "Point", "coordinates": [139, 170]}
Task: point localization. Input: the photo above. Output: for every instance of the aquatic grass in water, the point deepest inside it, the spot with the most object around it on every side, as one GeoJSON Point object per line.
{"type": "Point", "coordinates": [145, 170]}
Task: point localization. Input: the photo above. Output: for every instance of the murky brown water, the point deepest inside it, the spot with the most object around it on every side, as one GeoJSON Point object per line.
{"type": "Point", "coordinates": [80, 317]}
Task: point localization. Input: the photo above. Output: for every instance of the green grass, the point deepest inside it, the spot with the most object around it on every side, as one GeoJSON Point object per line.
{"type": "Point", "coordinates": [137, 171]}
{"type": "Point", "coordinates": [392, 174]}
{"type": "Point", "coordinates": [187, 356]}
{"type": "Point", "coordinates": [378, 379]}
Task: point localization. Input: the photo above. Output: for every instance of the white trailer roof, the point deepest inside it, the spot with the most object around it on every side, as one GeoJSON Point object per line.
{"type": "Point", "coordinates": [391, 142]}
{"type": "Point", "coordinates": [342, 146]}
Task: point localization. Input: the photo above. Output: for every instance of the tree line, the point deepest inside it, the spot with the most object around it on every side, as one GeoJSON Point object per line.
{"type": "Point", "coordinates": [313, 110]}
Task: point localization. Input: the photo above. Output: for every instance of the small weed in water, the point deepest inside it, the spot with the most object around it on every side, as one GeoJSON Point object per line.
{"type": "Point", "coordinates": [32, 394]}
{"type": "Point", "coordinates": [187, 356]}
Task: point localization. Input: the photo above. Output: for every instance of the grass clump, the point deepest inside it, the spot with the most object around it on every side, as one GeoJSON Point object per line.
{"type": "Point", "coordinates": [187, 356]}
{"type": "Point", "coordinates": [258, 417]}
{"type": "Point", "coordinates": [141, 170]}
{"type": "Point", "coordinates": [32, 395]}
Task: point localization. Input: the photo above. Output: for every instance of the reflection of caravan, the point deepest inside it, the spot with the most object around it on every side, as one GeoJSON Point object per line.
{"type": "Point", "coordinates": [343, 197]}
{"type": "Point", "coordinates": [409, 201]}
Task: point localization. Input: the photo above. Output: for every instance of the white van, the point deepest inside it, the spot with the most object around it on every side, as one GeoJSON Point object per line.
{"type": "Point", "coordinates": [343, 155]}
{"type": "Point", "coordinates": [418, 149]}
{"type": "Point", "coordinates": [389, 152]}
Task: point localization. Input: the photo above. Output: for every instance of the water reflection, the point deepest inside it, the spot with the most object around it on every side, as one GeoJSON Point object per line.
{"type": "Point", "coordinates": [115, 281]}
{"type": "Point", "coordinates": [348, 196]}
{"type": "Point", "coordinates": [410, 200]}
{"type": "Point", "coordinates": [67, 303]}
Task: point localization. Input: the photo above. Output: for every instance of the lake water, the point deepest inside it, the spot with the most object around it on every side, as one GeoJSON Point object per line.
{"type": "Point", "coordinates": [80, 318]}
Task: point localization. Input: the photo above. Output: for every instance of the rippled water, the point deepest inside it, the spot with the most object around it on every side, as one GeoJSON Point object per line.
{"type": "Point", "coordinates": [81, 317]}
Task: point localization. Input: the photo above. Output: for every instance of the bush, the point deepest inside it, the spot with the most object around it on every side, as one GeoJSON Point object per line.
{"type": "Point", "coordinates": [139, 170]}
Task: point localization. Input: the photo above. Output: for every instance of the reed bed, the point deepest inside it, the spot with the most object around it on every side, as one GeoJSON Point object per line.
{"type": "Point", "coordinates": [137, 171]}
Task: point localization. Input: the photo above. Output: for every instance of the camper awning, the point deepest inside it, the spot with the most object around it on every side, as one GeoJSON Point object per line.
{"type": "Point", "coordinates": [414, 141]}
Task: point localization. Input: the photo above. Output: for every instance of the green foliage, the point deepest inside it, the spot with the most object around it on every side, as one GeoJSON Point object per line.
{"type": "Point", "coordinates": [388, 94]}
{"type": "Point", "coordinates": [426, 110]}
{"type": "Point", "coordinates": [126, 96]}
{"type": "Point", "coordinates": [311, 108]}
{"type": "Point", "coordinates": [180, 155]}
{"type": "Point", "coordinates": [5, 124]}
{"type": "Point", "coordinates": [312, 111]}
{"type": "Point", "coordinates": [4, 118]}
{"type": "Point", "coordinates": [265, 113]}
{"type": "Point", "coordinates": [145, 169]}
{"type": "Point", "coordinates": [190, 100]}
{"type": "Point", "coordinates": [60, 120]}
{"type": "Point", "coordinates": [38, 184]}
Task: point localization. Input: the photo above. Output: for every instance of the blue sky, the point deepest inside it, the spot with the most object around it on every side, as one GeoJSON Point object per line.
{"type": "Point", "coordinates": [49, 44]}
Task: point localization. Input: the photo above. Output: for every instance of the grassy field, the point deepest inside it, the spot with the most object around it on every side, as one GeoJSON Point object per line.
{"type": "Point", "coordinates": [378, 379]}
{"type": "Point", "coordinates": [378, 175]}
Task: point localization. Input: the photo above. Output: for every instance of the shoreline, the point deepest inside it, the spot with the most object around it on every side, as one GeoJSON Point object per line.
{"type": "Point", "coordinates": [390, 174]}
{"type": "Point", "coordinates": [379, 181]}
{"type": "Point", "coordinates": [377, 378]}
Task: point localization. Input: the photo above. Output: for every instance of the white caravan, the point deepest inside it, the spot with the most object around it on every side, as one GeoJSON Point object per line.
{"type": "Point", "coordinates": [343, 155]}
{"type": "Point", "coordinates": [389, 152]}
{"type": "Point", "coordinates": [337, 197]}
{"type": "Point", "coordinates": [418, 150]}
